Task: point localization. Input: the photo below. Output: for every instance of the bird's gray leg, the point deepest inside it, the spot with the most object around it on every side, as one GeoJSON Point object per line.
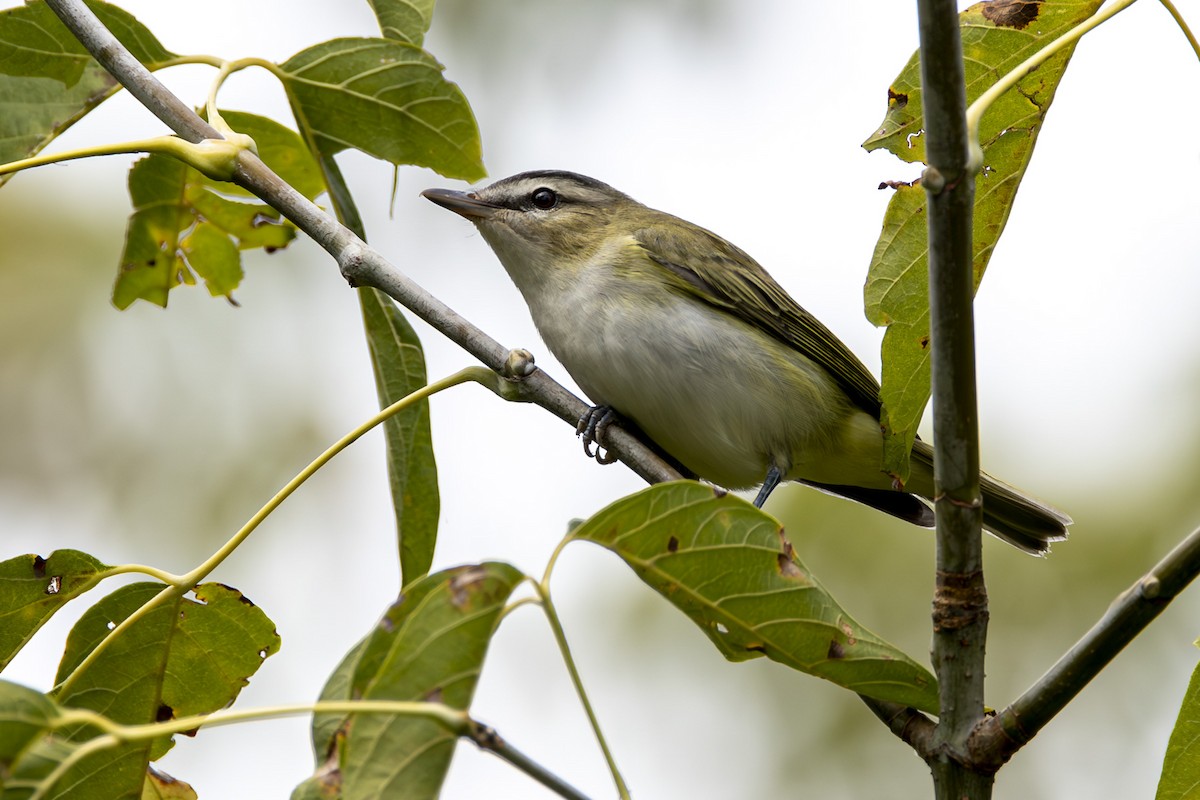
{"type": "Point", "coordinates": [774, 476]}
{"type": "Point", "coordinates": [591, 428]}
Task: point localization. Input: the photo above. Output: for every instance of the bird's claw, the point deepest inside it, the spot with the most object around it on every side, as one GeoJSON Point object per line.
{"type": "Point", "coordinates": [592, 428]}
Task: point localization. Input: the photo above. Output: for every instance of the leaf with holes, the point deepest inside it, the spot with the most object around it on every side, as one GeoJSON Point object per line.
{"type": "Point", "coordinates": [33, 588]}
{"type": "Point", "coordinates": [183, 657]}
{"type": "Point", "coordinates": [728, 566]}
{"type": "Point", "coordinates": [996, 37]}
{"type": "Point", "coordinates": [187, 226]}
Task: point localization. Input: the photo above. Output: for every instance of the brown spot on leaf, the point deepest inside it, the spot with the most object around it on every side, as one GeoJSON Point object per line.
{"type": "Point", "coordinates": [896, 100]}
{"type": "Point", "coordinates": [786, 558]}
{"type": "Point", "coordinates": [924, 341]}
{"type": "Point", "coordinates": [1016, 14]}
{"type": "Point", "coordinates": [164, 713]}
{"type": "Point", "coordinates": [672, 544]}
{"type": "Point", "coordinates": [39, 567]}
{"type": "Point", "coordinates": [836, 651]}
{"type": "Point", "coordinates": [463, 582]}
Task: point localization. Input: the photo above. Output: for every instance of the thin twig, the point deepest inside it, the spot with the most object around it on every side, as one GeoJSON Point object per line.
{"type": "Point", "coordinates": [1001, 736]}
{"type": "Point", "coordinates": [487, 739]}
{"type": "Point", "coordinates": [910, 725]}
{"type": "Point", "coordinates": [360, 264]}
{"type": "Point", "coordinates": [960, 612]}
{"type": "Point", "coordinates": [453, 720]}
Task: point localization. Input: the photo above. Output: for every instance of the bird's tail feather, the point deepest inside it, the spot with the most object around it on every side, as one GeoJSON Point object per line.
{"type": "Point", "coordinates": [1018, 519]}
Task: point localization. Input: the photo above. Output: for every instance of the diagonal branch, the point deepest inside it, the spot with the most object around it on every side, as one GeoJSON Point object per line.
{"type": "Point", "coordinates": [360, 264]}
{"type": "Point", "coordinates": [1001, 736]}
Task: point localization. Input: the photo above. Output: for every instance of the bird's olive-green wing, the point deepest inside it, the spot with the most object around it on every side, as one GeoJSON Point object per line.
{"type": "Point", "coordinates": [719, 273]}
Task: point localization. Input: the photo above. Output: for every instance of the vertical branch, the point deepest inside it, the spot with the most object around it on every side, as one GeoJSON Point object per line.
{"type": "Point", "coordinates": [960, 601]}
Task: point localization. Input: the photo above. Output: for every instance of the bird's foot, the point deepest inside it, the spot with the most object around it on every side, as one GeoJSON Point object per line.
{"type": "Point", "coordinates": [592, 428]}
{"type": "Point", "coordinates": [774, 476]}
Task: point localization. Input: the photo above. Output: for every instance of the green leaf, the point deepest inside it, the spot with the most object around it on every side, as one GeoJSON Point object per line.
{"type": "Point", "coordinates": [728, 566]}
{"type": "Point", "coordinates": [387, 99]}
{"type": "Point", "coordinates": [161, 786]}
{"type": "Point", "coordinates": [404, 20]}
{"type": "Point", "coordinates": [33, 588]}
{"type": "Point", "coordinates": [996, 36]}
{"type": "Point", "coordinates": [183, 657]}
{"type": "Point", "coordinates": [31, 745]}
{"type": "Point", "coordinates": [185, 225]}
{"type": "Point", "coordinates": [429, 646]}
{"type": "Point", "coordinates": [26, 715]}
{"type": "Point", "coordinates": [399, 367]}
{"type": "Point", "coordinates": [47, 79]}
{"type": "Point", "coordinates": [1180, 778]}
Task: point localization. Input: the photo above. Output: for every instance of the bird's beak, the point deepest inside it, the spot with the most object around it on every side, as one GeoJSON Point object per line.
{"type": "Point", "coordinates": [467, 204]}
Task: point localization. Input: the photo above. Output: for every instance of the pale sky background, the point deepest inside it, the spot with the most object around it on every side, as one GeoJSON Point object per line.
{"type": "Point", "coordinates": [745, 118]}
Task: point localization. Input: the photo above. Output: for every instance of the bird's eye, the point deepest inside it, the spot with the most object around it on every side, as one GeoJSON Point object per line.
{"type": "Point", "coordinates": [544, 198]}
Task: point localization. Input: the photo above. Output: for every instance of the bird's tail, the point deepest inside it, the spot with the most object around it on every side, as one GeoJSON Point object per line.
{"type": "Point", "coordinates": [1018, 519]}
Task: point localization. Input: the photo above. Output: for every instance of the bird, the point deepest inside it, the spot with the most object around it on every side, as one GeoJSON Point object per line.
{"type": "Point", "coordinates": [687, 337]}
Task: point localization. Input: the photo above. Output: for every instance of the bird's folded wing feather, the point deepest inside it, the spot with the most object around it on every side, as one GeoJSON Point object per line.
{"type": "Point", "coordinates": [719, 273]}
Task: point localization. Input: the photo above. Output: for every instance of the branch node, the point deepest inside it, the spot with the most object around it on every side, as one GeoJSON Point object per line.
{"type": "Point", "coordinates": [1150, 587]}
{"type": "Point", "coordinates": [959, 601]}
{"type": "Point", "coordinates": [933, 180]}
{"type": "Point", "coordinates": [519, 365]}
{"type": "Point", "coordinates": [351, 261]}
{"type": "Point", "coordinates": [974, 502]}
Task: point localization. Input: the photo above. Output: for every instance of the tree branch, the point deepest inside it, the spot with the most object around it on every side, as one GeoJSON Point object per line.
{"type": "Point", "coordinates": [360, 264]}
{"type": "Point", "coordinates": [960, 612]}
{"type": "Point", "coordinates": [1001, 736]}
{"type": "Point", "coordinates": [910, 726]}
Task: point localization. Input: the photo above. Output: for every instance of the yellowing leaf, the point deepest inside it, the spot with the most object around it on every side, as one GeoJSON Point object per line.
{"type": "Point", "coordinates": [996, 37]}
{"type": "Point", "coordinates": [186, 226]}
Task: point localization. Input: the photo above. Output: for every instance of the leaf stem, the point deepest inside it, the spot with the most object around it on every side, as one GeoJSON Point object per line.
{"type": "Point", "coordinates": [1183, 26]}
{"type": "Point", "coordinates": [224, 70]}
{"type": "Point", "coordinates": [470, 374]}
{"type": "Point", "coordinates": [166, 145]}
{"type": "Point", "coordinates": [452, 719]}
{"type": "Point", "coordinates": [984, 101]}
{"type": "Point", "coordinates": [560, 637]}
{"type": "Point", "coordinates": [178, 585]}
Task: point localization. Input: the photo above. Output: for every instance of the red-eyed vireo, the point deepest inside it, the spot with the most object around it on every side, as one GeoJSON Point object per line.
{"type": "Point", "coordinates": [689, 338]}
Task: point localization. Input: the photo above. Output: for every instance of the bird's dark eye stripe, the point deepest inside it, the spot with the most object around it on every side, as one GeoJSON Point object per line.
{"type": "Point", "coordinates": [544, 198]}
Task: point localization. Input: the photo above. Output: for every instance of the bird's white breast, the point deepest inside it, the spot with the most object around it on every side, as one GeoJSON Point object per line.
{"type": "Point", "coordinates": [720, 395]}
